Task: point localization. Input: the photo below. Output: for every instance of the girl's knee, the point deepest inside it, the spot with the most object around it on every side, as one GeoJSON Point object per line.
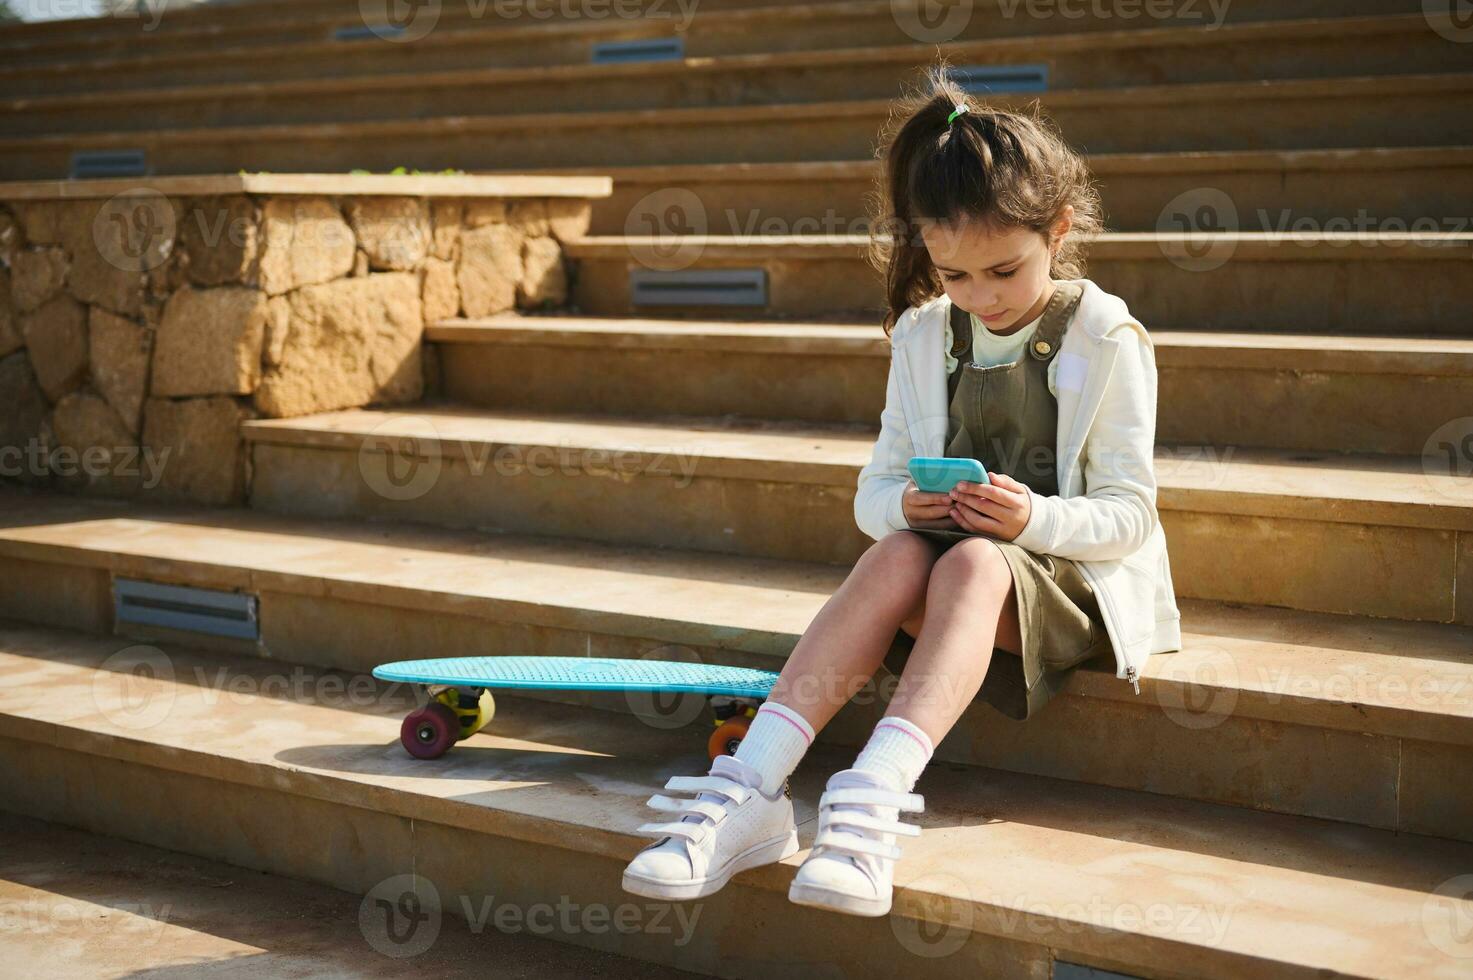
{"type": "Point", "coordinates": [903, 548]}
{"type": "Point", "coordinates": [975, 560]}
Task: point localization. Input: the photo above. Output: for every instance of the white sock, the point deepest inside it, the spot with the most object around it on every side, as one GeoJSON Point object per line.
{"type": "Point", "coordinates": [898, 750]}
{"type": "Point", "coordinates": [775, 741]}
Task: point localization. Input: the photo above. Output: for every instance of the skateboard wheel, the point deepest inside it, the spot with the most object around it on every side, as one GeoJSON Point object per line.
{"type": "Point", "coordinates": [469, 720]}
{"type": "Point", "coordinates": [727, 736]}
{"type": "Point", "coordinates": [429, 732]}
{"type": "Point", "coordinates": [485, 711]}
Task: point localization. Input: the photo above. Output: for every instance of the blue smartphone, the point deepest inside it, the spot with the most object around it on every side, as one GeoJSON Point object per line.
{"type": "Point", "coordinates": [938, 474]}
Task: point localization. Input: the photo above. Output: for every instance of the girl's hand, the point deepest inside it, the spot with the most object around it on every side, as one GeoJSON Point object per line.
{"type": "Point", "coordinates": [926, 510]}
{"type": "Point", "coordinates": [1000, 508]}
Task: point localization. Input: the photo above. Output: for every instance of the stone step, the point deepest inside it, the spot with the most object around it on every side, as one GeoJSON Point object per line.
{"type": "Point", "coordinates": [1280, 391]}
{"type": "Point", "coordinates": [785, 490]}
{"type": "Point", "coordinates": [1013, 875]}
{"type": "Point", "coordinates": [1331, 282]}
{"type": "Point", "coordinates": [56, 879]}
{"type": "Point", "coordinates": [1329, 47]}
{"type": "Point", "coordinates": [466, 37]}
{"type": "Point", "coordinates": [1391, 188]}
{"type": "Point", "coordinates": [117, 36]}
{"type": "Point", "coordinates": [1276, 114]}
{"type": "Point", "coordinates": [1344, 718]}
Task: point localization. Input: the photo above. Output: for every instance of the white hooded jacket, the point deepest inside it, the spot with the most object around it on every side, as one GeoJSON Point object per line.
{"type": "Point", "coordinates": [1104, 516]}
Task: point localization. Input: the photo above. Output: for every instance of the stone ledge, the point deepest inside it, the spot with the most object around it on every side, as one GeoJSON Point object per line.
{"type": "Point", "coordinates": [346, 185]}
{"type": "Point", "coordinates": [152, 316]}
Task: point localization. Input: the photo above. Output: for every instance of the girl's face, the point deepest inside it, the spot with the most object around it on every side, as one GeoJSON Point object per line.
{"type": "Point", "coordinates": [1001, 277]}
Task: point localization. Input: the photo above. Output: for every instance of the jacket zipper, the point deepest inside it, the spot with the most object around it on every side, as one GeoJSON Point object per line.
{"type": "Point", "coordinates": [1131, 674]}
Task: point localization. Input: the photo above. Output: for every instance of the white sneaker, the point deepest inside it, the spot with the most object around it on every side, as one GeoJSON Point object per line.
{"type": "Point", "coordinates": [852, 864]}
{"type": "Point", "coordinates": [729, 827]}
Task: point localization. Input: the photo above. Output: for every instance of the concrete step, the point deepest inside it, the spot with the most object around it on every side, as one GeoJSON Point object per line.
{"type": "Point", "coordinates": [1330, 282]}
{"type": "Point", "coordinates": [118, 36]}
{"type": "Point", "coordinates": [1371, 187]}
{"type": "Point", "coordinates": [1013, 875]}
{"type": "Point", "coordinates": [1280, 391]}
{"type": "Point", "coordinates": [466, 37]}
{"type": "Point", "coordinates": [1344, 718]}
{"type": "Point", "coordinates": [785, 490]}
{"type": "Point", "coordinates": [1276, 114]}
{"type": "Point", "coordinates": [1320, 48]}
{"type": "Point", "coordinates": [78, 912]}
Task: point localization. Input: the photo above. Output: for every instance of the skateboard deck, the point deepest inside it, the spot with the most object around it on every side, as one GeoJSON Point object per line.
{"type": "Point", "coordinates": [461, 703]}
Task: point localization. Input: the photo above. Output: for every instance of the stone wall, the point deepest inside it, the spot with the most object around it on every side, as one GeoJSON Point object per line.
{"type": "Point", "coordinates": [138, 330]}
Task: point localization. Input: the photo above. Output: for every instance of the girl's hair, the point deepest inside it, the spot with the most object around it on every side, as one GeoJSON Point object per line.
{"type": "Point", "coordinates": [1000, 168]}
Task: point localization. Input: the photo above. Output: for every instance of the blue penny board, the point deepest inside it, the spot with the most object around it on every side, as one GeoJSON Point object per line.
{"type": "Point", "coordinates": [581, 674]}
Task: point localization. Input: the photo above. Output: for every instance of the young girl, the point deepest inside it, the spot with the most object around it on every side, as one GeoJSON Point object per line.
{"type": "Point", "coordinates": [1003, 586]}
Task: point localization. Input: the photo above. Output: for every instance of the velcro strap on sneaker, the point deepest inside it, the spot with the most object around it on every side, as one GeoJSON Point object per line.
{"type": "Point", "coordinates": [858, 818]}
{"type": "Point", "coordinates": [855, 844]}
{"type": "Point", "coordinates": [715, 811]}
{"type": "Point", "coordinates": [874, 797]}
{"type": "Point", "coordinates": [729, 788]}
{"type": "Point", "coordinates": [694, 832]}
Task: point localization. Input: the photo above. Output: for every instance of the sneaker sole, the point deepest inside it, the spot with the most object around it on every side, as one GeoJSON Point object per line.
{"type": "Point", "coordinates": [824, 898]}
{"type": "Point", "coordinates": [752, 857]}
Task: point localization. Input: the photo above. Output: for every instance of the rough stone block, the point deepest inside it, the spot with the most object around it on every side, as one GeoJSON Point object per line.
{"type": "Point", "coordinates": [210, 342]}
{"type": "Point", "coordinates": [440, 293]}
{"type": "Point", "coordinates": [11, 238]}
{"type": "Point", "coordinates": [481, 211]}
{"type": "Point", "coordinates": [204, 458]}
{"type": "Point", "coordinates": [349, 343]}
{"type": "Point", "coordinates": [489, 269]}
{"type": "Point", "coordinates": [544, 279]}
{"type": "Point", "coordinates": [94, 449]}
{"type": "Point", "coordinates": [568, 218]}
{"type": "Point", "coordinates": [528, 216]}
{"type": "Point", "coordinates": [25, 410]}
{"type": "Point", "coordinates": [221, 237]}
{"type": "Point", "coordinates": [393, 231]}
{"type": "Point", "coordinates": [56, 337]}
{"type": "Point", "coordinates": [445, 218]}
{"type": "Point", "coordinates": [304, 240]}
{"type": "Point", "coordinates": [37, 275]}
{"type": "Point", "coordinates": [10, 338]}
{"type": "Point", "coordinates": [120, 352]}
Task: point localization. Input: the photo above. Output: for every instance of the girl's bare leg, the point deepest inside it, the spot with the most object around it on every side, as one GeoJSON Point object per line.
{"type": "Point", "coordinates": [970, 607]}
{"type": "Point", "coordinates": [846, 642]}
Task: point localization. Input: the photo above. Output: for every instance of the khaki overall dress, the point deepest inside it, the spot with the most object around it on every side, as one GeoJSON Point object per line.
{"type": "Point", "coordinates": [1006, 417]}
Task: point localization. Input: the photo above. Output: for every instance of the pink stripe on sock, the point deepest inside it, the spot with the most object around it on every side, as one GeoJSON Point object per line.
{"type": "Point", "coordinates": [777, 710]}
{"type": "Point", "coordinates": [910, 734]}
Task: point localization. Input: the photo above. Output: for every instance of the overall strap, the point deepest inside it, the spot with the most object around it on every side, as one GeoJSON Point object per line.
{"type": "Point", "coordinates": [961, 345]}
{"type": "Point", "coordinates": [1056, 317]}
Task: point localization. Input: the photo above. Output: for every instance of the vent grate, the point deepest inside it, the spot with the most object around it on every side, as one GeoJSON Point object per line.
{"type": "Point", "coordinates": [983, 79]}
{"type": "Point", "coordinates": [368, 32]}
{"type": "Point", "coordinates": [698, 287]}
{"type": "Point", "coordinates": [649, 49]}
{"type": "Point", "coordinates": [108, 163]}
{"type": "Point", "coordinates": [182, 607]}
